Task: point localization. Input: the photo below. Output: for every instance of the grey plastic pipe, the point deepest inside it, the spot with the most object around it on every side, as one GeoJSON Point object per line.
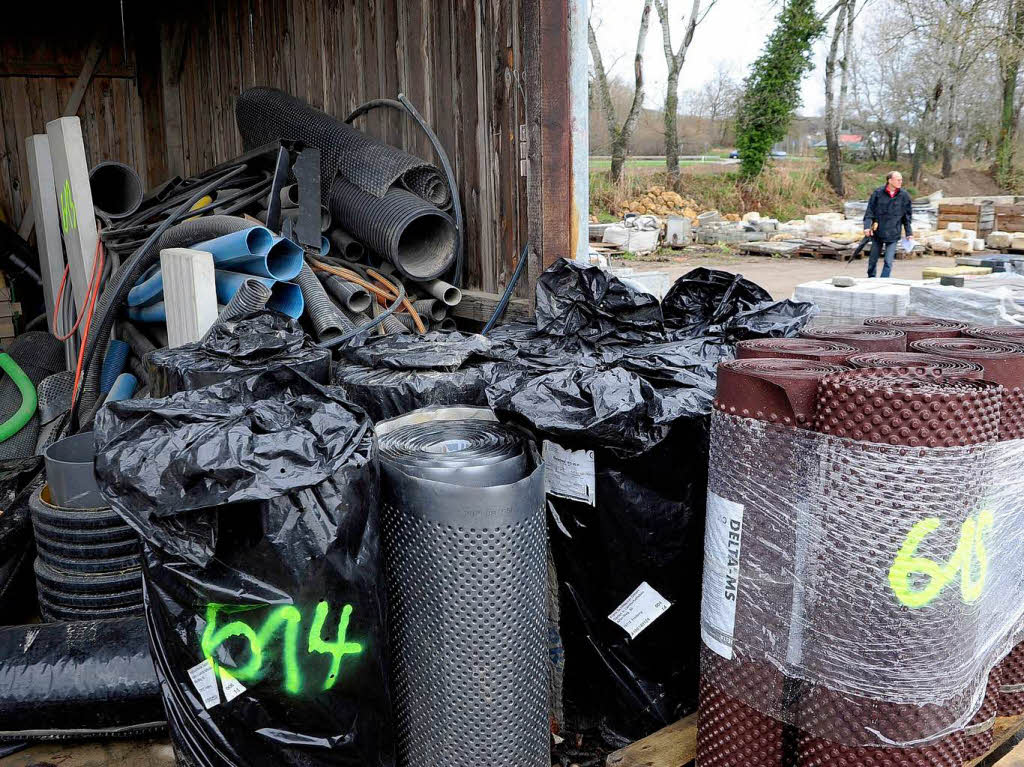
{"type": "Point", "coordinates": [348, 246]}
{"type": "Point", "coordinates": [250, 297]}
{"type": "Point", "coordinates": [430, 309]}
{"type": "Point", "coordinates": [348, 294]}
{"type": "Point", "coordinates": [327, 321]}
{"type": "Point", "coordinates": [442, 291]}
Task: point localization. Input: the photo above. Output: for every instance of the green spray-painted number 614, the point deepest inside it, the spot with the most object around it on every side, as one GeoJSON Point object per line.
{"type": "Point", "coordinates": [969, 561]}
{"type": "Point", "coordinates": [287, 619]}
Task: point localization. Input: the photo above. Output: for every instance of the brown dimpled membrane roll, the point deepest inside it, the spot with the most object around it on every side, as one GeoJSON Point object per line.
{"type": "Point", "coordinates": [907, 363]}
{"type": "Point", "coordinates": [919, 328]}
{"type": "Point", "coordinates": [864, 338]}
{"type": "Point", "coordinates": [919, 412]}
{"type": "Point", "coordinates": [1013, 334]}
{"type": "Point", "coordinates": [1003, 364]}
{"type": "Point", "coordinates": [730, 732]}
{"type": "Point", "coordinates": [795, 348]}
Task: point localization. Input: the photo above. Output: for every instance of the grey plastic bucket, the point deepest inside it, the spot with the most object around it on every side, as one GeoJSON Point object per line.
{"type": "Point", "coordinates": [69, 473]}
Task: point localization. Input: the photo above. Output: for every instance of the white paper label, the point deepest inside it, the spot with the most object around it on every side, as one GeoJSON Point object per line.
{"type": "Point", "coordinates": [722, 541]}
{"type": "Point", "coordinates": [569, 473]}
{"type": "Point", "coordinates": [640, 610]}
{"type": "Point", "coordinates": [232, 687]}
{"type": "Point", "coordinates": [205, 682]}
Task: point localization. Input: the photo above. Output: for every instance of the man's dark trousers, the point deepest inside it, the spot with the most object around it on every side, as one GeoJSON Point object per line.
{"type": "Point", "coordinates": [890, 255]}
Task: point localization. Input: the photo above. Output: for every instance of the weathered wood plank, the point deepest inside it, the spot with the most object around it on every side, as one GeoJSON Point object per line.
{"type": "Point", "coordinates": [479, 305]}
{"type": "Point", "coordinates": [672, 746]}
{"type": "Point", "coordinates": [44, 204]}
{"type": "Point", "coordinates": [190, 297]}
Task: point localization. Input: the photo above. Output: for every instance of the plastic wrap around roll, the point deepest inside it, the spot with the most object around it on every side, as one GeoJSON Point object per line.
{"type": "Point", "coordinates": [919, 328]}
{"type": "Point", "coordinates": [912, 411]}
{"type": "Point", "coordinates": [1003, 364]}
{"type": "Point", "coordinates": [465, 549]}
{"type": "Point", "coordinates": [730, 732]}
{"type": "Point", "coordinates": [795, 348]}
{"type": "Point", "coordinates": [866, 339]}
{"type": "Point", "coordinates": [913, 362]}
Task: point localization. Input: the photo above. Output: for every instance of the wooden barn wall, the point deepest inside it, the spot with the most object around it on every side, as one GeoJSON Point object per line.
{"type": "Point", "coordinates": [458, 61]}
{"type": "Point", "coordinates": [40, 60]}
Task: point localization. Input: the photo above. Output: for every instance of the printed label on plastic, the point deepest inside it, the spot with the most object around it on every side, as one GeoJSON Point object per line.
{"type": "Point", "coordinates": [569, 473]}
{"type": "Point", "coordinates": [205, 682]}
{"type": "Point", "coordinates": [640, 610]}
{"type": "Point", "coordinates": [722, 542]}
{"type": "Point", "coordinates": [232, 687]}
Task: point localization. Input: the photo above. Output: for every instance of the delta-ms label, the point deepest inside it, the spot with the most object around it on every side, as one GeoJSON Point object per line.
{"type": "Point", "coordinates": [723, 540]}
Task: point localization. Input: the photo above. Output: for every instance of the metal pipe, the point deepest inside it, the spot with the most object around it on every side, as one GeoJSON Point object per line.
{"type": "Point", "coordinates": [116, 189]}
{"type": "Point", "coordinates": [442, 291]}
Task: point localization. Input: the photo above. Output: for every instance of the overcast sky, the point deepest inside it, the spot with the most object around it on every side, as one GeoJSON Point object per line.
{"type": "Point", "coordinates": [733, 33]}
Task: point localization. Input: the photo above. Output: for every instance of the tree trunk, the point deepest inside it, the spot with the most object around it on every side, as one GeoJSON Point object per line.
{"type": "Point", "coordinates": [1006, 138]}
{"type": "Point", "coordinates": [921, 144]}
{"type": "Point", "coordinates": [948, 139]}
{"type": "Point", "coordinates": [892, 141]}
{"type": "Point", "coordinates": [835, 155]}
{"type": "Point", "coordinates": [618, 157]}
{"type": "Point", "coordinates": [671, 137]}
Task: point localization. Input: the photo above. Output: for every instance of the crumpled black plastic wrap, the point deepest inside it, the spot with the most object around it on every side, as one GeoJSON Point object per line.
{"type": "Point", "coordinates": [256, 494]}
{"type": "Point", "coordinates": [392, 375]}
{"type": "Point", "coordinates": [633, 382]}
{"type": "Point", "coordinates": [19, 478]}
{"type": "Point", "coordinates": [240, 347]}
{"type": "Point", "coordinates": [83, 679]}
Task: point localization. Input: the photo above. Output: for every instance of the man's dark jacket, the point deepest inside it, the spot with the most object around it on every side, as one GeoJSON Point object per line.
{"type": "Point", "coordinates": [891, 213]}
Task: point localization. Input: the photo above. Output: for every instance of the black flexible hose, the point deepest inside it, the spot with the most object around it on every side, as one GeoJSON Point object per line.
{"type": "Point", "coordinates": [507, 295]}
{"type": "Point", "coordinates": [333, 342]}
{"type": "Point", "coordinates": [123, 281]}
{"type": "Point", "coordinates": [403, 104]}
{"type": "Point", "coordinates": [327, 320]}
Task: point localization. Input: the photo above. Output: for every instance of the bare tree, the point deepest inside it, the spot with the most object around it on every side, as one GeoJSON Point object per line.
{"type": "Point", "coordinates": [833, 113]}
{"type": "Point", "coordinates": [675, 60]}
{"type": "Point", "coordinates": [620, 134]}
{"type": "Point", "coordinates": [717, 101]}
{"type": "Point", "coordinates": [1011, 51]}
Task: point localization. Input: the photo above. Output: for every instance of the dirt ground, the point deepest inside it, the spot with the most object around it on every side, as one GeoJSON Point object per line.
{"type": "Point", "coordinates": [134, 753]}
{"type": "Point", "coordinates": [776, 275]}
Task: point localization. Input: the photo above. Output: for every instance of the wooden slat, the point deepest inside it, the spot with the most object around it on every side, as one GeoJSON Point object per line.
{"type": "Point", "coordinates": [44, 202]}
{"type": "Point", "coordinates": [479, 306]}
{"type": "Point", "coordinates": [1005, 728]}
{"type": "Point", "coordinates": [672, 746]}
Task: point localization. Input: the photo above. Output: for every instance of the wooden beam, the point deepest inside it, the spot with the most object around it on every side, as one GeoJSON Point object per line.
{"type": "Point", "coordinates": [1013, 759]}
{"type": "Point", "coordinates": [1006, 727]}
{"type": "Point", "coordinates": [479, 306]}
{"type": "Point", "coordinates": [92, 59]}
{"type": "Point", "coordinates": [172, 60]}
{"type": "Point", "coordinates": [74, 201]}
{"type": "Point", "coordinates": [672, 746]}
{"type": "Point", "coordinates": [44, 208]}
{"type": "Point", "coordinates": [190, 297]}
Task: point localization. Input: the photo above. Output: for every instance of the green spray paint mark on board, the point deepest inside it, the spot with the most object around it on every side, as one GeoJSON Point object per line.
{"type": "Point", "coordinates": [68, 211]}
{"type": "Point", "coordinates": [288, 619]}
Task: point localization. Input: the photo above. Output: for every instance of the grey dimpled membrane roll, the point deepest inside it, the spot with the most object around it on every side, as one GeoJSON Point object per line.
{"type": "Point", "coordinates": [465, 548]}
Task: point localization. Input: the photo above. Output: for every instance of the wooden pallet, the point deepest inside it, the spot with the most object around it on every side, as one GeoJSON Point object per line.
{"type": "Point", "coordinates": [676, 746]}
{"type": "Point", "coordinates": [1009, 218]}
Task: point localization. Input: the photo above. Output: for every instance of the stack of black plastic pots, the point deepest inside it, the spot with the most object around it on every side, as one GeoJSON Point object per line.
{"type": "Point", "coordinates": [88, 562]}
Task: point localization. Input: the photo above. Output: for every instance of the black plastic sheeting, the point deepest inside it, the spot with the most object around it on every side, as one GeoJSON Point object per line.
{"type": "Point", "coordinates": [19, 479]}
{"type": "Point", "coordinates": [85, 679]}
{"type": "Point", "coordinates": [392, 375]}
{"type": "Point", "coordinates": [240, 347]}
{"type": "Point", "coordinates": [257, 502]}
{"type": "Point", "coordinates": [610, 370]}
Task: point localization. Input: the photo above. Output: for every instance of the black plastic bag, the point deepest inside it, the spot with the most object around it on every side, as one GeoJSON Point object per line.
{"type": "Point", "coordinates": [243, 346]}
{"type": "Point", "coordinates": [630, 400]}
{"type": "Point", "coordinates": [393, 375]}
{"type": "Point", "coordinates": [19, 479]}
{"type": "Point", "coordinates": [86, 679]}
{"type": "Point", "coordinates": [257, 501]}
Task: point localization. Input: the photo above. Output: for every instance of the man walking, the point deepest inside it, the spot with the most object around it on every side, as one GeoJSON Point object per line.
{"type": "Point", "coordinates": [889, 210]}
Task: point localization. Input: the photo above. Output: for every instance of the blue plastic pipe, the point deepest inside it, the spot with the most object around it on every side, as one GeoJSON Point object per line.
{"type": "Point", "coordinates": [149, 289]}
{"type": "Point", "coordinates": [325, 246]}
{"type": "Point", "coordinates": [255, 251]}
{"type": "Point", "coordinates": [285, 297]}
{"type": "Point", "coordinates": [149, 313]}
{"type": "Point", "coordinates": [113, 363]}
{"type": "Point", "coordinates": [124, 387]}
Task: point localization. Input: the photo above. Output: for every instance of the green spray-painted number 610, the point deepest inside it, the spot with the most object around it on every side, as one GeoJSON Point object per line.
{"type": "Point", "coordinates": [970, 561]}
{"type": "Point", "coordinates": [288, 619]}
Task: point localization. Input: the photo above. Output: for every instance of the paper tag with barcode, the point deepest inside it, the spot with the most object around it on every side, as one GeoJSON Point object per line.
{"type": "Point", "coordinates": [640, 610]}
{"type": "Point", "coordinates": [569, 473]}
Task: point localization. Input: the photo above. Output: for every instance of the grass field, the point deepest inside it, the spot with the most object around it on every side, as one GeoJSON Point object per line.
{"type": "Point", "coordinates": [635, 163]}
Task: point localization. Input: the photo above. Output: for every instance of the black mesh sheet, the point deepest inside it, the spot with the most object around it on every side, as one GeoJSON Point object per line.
{"type": "Point", "coordinates": [266, 115]}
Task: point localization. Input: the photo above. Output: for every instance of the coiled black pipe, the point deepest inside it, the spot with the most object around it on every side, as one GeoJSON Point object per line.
{"type": "Point", "coordinates": [430, 309]}
{"type": "Point", "coordinates": [135, 338]}
{"type": "Point", "coordinates": [348, 295]}
{"type": "Point", "coordinates": [418, 238]}
{"type": "Point", "coordinates": [327, 321]}
{"type": "Point", "coordinates": [250, 297]}
{"type": "Point", "coordinates": [116, 292]}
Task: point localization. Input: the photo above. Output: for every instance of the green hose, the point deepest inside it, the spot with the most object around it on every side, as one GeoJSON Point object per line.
{"type": "Point", "coordinates": [17, 422]}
